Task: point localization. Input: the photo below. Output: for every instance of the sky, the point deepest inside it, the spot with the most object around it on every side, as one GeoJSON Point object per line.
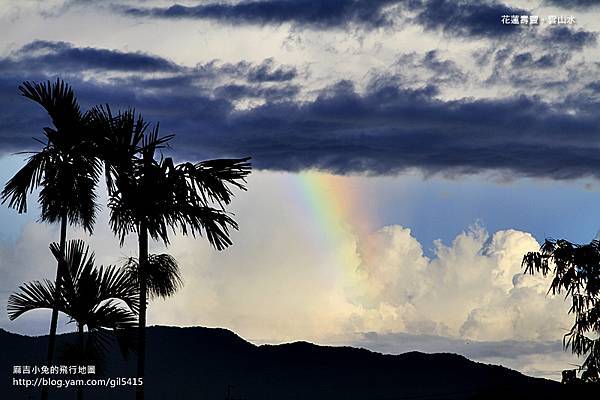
{"type": "Point", "coordinates": [406, 155]}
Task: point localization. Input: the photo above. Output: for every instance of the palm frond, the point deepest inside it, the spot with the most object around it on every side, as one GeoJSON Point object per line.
{"type": "Point", "coordinates": [110, 323]}
{"type": "Point", "coordinates": [212, 178]}
{"type": "Point", "coordinates": [25, 181]}
{"type": "Point", "coordinates": [67, 169]}
{"type": "Point", "coordinates": [152, 142]}
{"type": "Point", "coordinates": [212, 223]}
{"type": "Point", "coordinates": [163, 277]}
{"type": "Point", "coordinates": [32, 296]}
{"type": "Point", "coordinates": [78, 259]}
{"type": "Point", "coordinates": [116, 283]}
{"type": "Point", "coordinates": [70, 188]}
{"type": "Point", "coordinates": [87, 287]}
{"type": "Point", "coordinates": [120, 137]}
{"type": "Point", "coordinates": [111, 315]}
{"type": "Point", "coordinates": [58, 100]}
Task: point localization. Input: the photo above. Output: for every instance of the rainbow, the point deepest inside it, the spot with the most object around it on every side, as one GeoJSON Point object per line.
{"type": "Point", "coordinates": [339, 214]}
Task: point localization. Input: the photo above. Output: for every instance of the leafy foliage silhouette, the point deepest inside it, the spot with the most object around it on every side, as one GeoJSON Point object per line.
{"type": "Point", "coordinates": [576, 274]}
{"type": "Point", "coordinates": [150, 195]}
{"type": "Point", "coordinates": [66, 169]}
{"type": "Point", "coordinates": [104, 300]}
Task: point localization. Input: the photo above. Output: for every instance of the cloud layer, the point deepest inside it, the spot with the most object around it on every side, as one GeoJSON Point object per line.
{"type": "Point", "coordinates": [513, 101]}
{"type": "Point", "coordinates": [223, 109]}
{"type": "Point", "coordinates": [320, 14]}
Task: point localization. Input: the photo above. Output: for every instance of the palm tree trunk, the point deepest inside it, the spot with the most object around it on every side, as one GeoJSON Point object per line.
{"type": "Point", "coordinates": [143, 259]}
{"type": "Point", "coordinates": [82, 352]}
{"type": "Point", "coordinates": [54, 320]}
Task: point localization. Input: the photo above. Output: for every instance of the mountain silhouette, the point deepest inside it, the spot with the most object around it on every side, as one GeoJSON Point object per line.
{"type": "Point", "coordinates": [214, 363]}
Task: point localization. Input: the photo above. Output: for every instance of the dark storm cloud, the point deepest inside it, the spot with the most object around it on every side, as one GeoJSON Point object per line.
{"type": "Point", "coordinates": [144, 70]}
{"type": "Point", "coordinates": [476, 20]}
{"type": "Point", "coordinates": [460, 18]}
{"type": "Point", "coordinates": [457, 18]}
{"type": "Point", "coordinates": [40, 55]}
{"type": "Point", "coordinates": [384, 129]}
{"type": "Point", "coordinates": [236, 92]}
{"type": "Point", "coordinates": [389, 129]}
{"type": "Point", "coordinates": [528, 60]}
{"type": "Point", "coordinates": [207, 90]}
{"type": "Point", "coordinates": [465, 18]}
{"type": "Point", "coordinates": [564, 37]}
{"type": "Point", "coordinates": [316, 13]}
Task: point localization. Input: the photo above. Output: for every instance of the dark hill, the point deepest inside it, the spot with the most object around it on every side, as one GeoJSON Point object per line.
{"type": "Point", "coordinates": [204, 363]}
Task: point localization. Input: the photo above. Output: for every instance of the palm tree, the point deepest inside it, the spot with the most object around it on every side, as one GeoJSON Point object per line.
{"type": "Point", "coordinates": [150, 196]}
{"type": "Point", "coordinates": [576, 271]}
{"type": "Point", "coordinates": [66, 169]}
{"type": "Point", "coordinates": [104, 300]}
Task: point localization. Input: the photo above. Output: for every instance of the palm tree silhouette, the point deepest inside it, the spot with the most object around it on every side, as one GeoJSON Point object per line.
{"type": "Point", "coordinates": [104, 300]}
{"type": "Point", "coordinates": [150, 196]}
{"type": "Point", "coordinates": [65, 169]}
{"type": "Point", "coordinates": [576, 271]}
